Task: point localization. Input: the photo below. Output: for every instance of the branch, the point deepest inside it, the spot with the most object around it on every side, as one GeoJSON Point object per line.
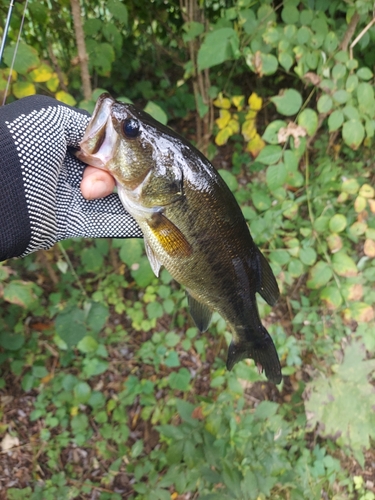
{"type": "Point", "coordinates": [81, 47]}
{"type": "Point", "coordinates": [349, 32]}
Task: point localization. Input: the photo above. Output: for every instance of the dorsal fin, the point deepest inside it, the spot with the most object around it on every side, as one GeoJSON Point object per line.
{"type": "Point", "coordinates": [266, 282]}
{"type": "Point", "coordinates": [200, 313]}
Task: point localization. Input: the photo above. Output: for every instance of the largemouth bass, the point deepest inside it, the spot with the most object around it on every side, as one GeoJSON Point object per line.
{"type": "Point", "coordinates": [191, 224]}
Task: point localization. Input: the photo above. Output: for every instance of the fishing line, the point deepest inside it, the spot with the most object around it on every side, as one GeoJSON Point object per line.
{"type": "Point", "coordinates": [15, 51]}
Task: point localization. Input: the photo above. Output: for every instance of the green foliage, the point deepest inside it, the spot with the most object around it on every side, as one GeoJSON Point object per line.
{"type": "Point", "coordinates": [120, 385]}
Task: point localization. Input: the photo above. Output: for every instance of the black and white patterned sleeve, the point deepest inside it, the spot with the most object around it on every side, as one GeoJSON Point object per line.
{"type": "Point", "coordinates": [40, 198]}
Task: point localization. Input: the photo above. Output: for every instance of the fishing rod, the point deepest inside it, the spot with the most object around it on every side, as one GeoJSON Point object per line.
{"type": "Point", "coordinates": [6, 29]}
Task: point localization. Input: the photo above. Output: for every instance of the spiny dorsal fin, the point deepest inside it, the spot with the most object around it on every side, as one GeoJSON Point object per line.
{"type": "Point", "coordinates": [169, 236]}
{"type": "Point", "coordinates": [200, 313]}
{"type": "Point", "coordinates": [266, 282]}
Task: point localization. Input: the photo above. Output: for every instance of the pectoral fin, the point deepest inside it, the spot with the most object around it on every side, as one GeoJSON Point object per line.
{"type": "Point", "coordinates": [266, 283]}
{"type": "Point", "coordinates": [169, 236]}
{"type": "Point", "coordinates": [154, 262]}
{"type": "Point", "coordinates": [200, 313]}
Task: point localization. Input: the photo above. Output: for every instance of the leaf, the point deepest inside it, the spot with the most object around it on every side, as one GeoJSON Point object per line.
{"type": "Point", "coordinates": [338, 223]}
{"type": "Point", "coordinates": [290, 14]}
{"type": "Point", "coordinates": [366, 100]}
{"type": "Point", "coordinates": [42, 73]}
{"type": "Point", "coordinates": [353, 133]}
{"type": "Point", "coordinates": [286, 60]}
{"type": "Point", "coordinates": [218, 46]}
{"type": "Point", "coordinates": [249, 129]}
{"type": "Point", "coordinates": [11, 341]}
{"type": "Point", "coordinates": [335, 120]}
{"type": "Point", "coordinates": [192, 30]}
{"type": "Point", "coordinates": [27, 58]}
{"type": "Point", "coordinates": [118, 10]}
{"type": "Point", "coordinates": [131, 250]}
{"type": "Point", "coordinates": [23, 89]}
{"type": "Point", "coordinates": [369, 248]}
{"type": "Point", "coordinates": [308, 119]}
{"type": "Point", "coordinates": [82, 392]}
{"type": "Point", "coordinates": [223, 119]}
{"type": "Point", "coordinates": [180, 380]}
{"type": "Point", "coordinates": [156, 112]}
{"type": "Point", "coordinates": [334, 401]}
{"type": "Point", "coordinates": [97, 316]}
{"type": "Point", "coordinates": [70, 325]}
{"type": "Point", "coordinates": [87, 344]}
{"type": "Point", "coordinates": [367, 191]}
{"type": "Point", "coordinates": [65, 98]}
{"type": "Point", "coordinates": [288, 102]}
{"type": "Point", "coordinates": [319, 275]}
{"type": "Point", "coordinates": [270, 155]}
{"type": "Point", "coordinates": [308, 256]}
{"type": "Point", "coordinates": [267, 64]}
{"type": "Point", "coordinates": [221, 102]}
{"type": "Point", "coordinates": [331, 296]}
{"type": "Point", "coordinates": [20, 293]}
{"type": "Point", "coordinates": [365, 73]}
{"type": "Point", "coordinates": [255, 145]}
{"type": "Point", "coordinates": [276, 176]}
{"type": "Point", "coordinates": [223, 136]}
{"type": "Point", "coordinates": [343, 265]}
{"type": "Point", "coordinates": [255, 102]}
{"type": "Point", "coordinates": [229, 179]}
{"type": "Point", "coordinates": [324, 104]}
{"type": "Point", "coordinates": [271, 133]}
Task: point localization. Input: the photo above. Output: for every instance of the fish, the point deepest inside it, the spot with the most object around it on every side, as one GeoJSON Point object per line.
{"type": "Point", "coordinates": [191, 223]}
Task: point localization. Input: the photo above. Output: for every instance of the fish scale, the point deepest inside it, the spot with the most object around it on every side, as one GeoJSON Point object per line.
{"type": "Point", "coordinates": [191, 222]}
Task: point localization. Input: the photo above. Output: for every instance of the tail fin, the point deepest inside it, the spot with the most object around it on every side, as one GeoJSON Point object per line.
{"type": "Point", "coordinates": [262, 351]}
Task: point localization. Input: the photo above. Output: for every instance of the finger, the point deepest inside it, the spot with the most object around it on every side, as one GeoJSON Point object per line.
{"type": "Point", "coordinates": [96, 183]}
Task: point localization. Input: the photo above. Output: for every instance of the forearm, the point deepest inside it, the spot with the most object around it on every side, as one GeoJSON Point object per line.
{"type": "Point", "coordinates": [15, 229]}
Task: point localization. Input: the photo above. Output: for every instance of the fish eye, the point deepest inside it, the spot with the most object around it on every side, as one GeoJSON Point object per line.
{"type": "Point", "coordinates": [130, 128]}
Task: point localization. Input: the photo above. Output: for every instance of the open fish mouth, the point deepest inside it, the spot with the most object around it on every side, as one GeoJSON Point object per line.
{"type": "Point", "coordinates": [100, 139]}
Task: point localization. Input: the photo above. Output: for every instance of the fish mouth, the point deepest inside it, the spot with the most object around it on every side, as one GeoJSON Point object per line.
{"type": "Point", "coordinates": [100, 138]}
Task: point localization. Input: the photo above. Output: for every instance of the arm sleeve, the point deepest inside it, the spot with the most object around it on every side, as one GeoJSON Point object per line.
{"type": "Point", "coordinates": [15, 229]}
{"type": "Point", "coordinates": [15, 216]}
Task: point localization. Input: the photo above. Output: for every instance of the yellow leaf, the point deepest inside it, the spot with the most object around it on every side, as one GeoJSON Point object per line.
{"type": "Point", "coordinates": [249, 129]}
{"type": "Point", "coordinates": [255, 145]}
{"type": "Point", "coordinates": [23, 89]}
{"type": "Point", "coordinates": [372, 205]}
{"type": "Point", "coordinates": [65, 98]}
{"type": "Point", "coordinates": [234, 126]}
{"type": "Point", "coordinates": [223, 121]}
{"type": "Point", "coordinates": [223, 136]}
{"type": "Point", "coordinates": [53, 83]}
{"type": "Point", "coordinates": [359, 204]}
{"type": "Point", "coordinates": [255, 102]}
{"type": "Point", "coordinates": [369, 248]}
{"type": "Point", "coordinates": [367, 191]}
{"type": "Point", "coordinates": [222, 102]}
{"type": "Point", "coordinates": [334, 242]}
{"type": "Point", "coordinates": [42, 73]}
{"type": "Point", "coordinates": [238, 101]}
{"type": "Point", "coordinates": [251, 115]}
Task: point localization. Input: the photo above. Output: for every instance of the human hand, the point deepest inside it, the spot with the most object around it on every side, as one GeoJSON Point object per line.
{"type": "Point", "coordinates": [96, 183]}
{"type": "Point", "coordinates": [40, 197]}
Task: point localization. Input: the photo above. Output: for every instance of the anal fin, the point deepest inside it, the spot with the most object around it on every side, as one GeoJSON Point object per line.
{"type": "Point", "coordinates": [200, 313]}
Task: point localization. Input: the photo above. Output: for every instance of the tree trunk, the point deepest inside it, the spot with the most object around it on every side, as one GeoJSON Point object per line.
{"type": "Point", "coordinates": [81, 47]}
